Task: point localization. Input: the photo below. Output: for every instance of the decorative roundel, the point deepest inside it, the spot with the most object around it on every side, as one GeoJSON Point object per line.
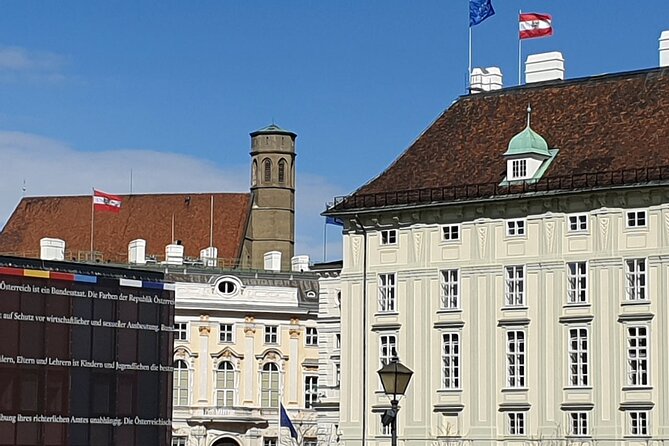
{"type": "Point", "coordinates": [311, 294]}
{"type": "Point", "coordinates": [228, 286]}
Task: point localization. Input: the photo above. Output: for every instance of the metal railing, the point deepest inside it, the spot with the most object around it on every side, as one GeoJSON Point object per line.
{"type": "Point", "coordinates": [496, 189]}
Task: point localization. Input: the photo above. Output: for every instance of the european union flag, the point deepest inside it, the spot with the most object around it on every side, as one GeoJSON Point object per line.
{"type": "Point", "coordinates": [479, 10]}
{"type": "Point", "coordinates": [285, 422]}
{"type": "Point", "coordinates": [333, 221]}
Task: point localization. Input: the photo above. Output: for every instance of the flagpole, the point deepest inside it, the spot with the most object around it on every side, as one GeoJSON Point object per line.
{"type": "Point", "coordinates": [211, 222]}
{"type": "Point", "coordinates": [469, 66]}
{"type": "Point", "coordinates": [92, 222]}
{"type": "Point", "coordinates": [325, 240]}
{"type": "Point", "coordinates": [278, 426]}
{"type": "Point", "coordinates": [520, 53]}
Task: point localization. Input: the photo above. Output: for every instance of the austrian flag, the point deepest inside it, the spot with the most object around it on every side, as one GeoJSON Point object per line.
{"type": "Point", "coordinates": [535, 25]}
{"type": "Point", "coordinates": [106, 202]}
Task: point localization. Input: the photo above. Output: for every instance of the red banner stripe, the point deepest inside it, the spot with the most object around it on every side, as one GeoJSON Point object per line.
{"type": "Point", "coordinates": [531, 34]}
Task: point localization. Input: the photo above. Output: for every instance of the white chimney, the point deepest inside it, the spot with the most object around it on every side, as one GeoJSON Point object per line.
{"type": "Point", "coordinates": [52, 249]}
{"type": "Point", "coordinates": [664, 49]}
{"type": "Point", "coordinates": [300, 263]}
{"type": "Point", "coordinates": [174, 254]}
{"type": "Point", "coordinates": [273, 261]}
{"type": "Point", "coordinates": [544, 67]}
{"type": "Point", "coordinates": [485, 79]}
{"type": "Point", "coordinates": [209, 256]}
{"type": "Point", "coordinates": [137, 252]}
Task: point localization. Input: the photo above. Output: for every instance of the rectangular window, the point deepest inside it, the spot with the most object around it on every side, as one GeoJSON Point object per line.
{"type": "Point", "coordinates": [577, 283]}
{"type": "Point", "coordinates": [337, 376]}
{"type": "Point", "coordinates": [387, 348]}
{"type": "Point", "coordinates": [638, 423]}
{"type": "Point", "coordinates": [387, 303]}
{"type": "Point", "coordinates": [635, 279]}
{"type": "Point", "coordinates": [578, 424]}
{"type": "Point", "coordinates": [518, 169]}
{"type": "Point", "coordinates": [450, 289]}
{"type": "Point", "coordinates": [516, 423]}
{"type": "Point", "coordinates": [271, 334]}
{"type": "Point", "coordinates": [636, 219]}
{"type": "Point", "coordinates": [181, 331]}
{"type": "Point", "coordinates": [515, 358]}
{"type": "Point", "coordinates": [450, 360]}
{"type": "Point", "coordinates": [310, 391]}
{"type": "Point", "coordinates": [578, 223]}
{"type": "Point", "coordinates": [226, 333]}
{"type": "Point", "coordinates": [450, 233]}
{"type": "Point", "coordinates": [179, 441]}
{"type": "Point", "coordinates": [515, 228]}
{"type": "Point", "coordinates": [515, 286]}
{"type": "Point", "coordinates": [312, 336]}
{"type": "Point", "coordinates": [389, 237]}
{"type": "Point", "coordinates": [270, 441]}
{"type": "Point", "coordinates": [578, 357]}
{"type": "Point", "coordinates": [338, 341]}
{"type": "Point", "coordinates": [310, 442]}
{"type": "Point", "coordinates": [637, 356]}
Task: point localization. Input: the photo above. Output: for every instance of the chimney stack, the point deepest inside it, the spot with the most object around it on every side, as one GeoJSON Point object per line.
{"type": "Point", "coordinates": [544, 67]}
{"type": "Point", "coordinates": [209, 256]}
{"type": "Point", "coordinates": [664, 49]}
{"type": "Point", "coordinates": [174, 254]}
{"type": "Point", "coordinates": [52, 249]}
{"type": "Point", "coordinates": [273, 261]}
{"type": "Point", "coordinates": [300, 263]}
{"type": "Point", "coordinates": [137, 252]}
{"type": "Point", "coordinates": [485, 79]}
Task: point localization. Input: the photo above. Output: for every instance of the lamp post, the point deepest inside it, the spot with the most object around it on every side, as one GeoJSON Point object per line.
{"type": "Point", "coordinates": [395, 378]}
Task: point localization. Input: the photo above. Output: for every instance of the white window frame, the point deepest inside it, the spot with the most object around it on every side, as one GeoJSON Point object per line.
{"type": "Point", "coordinates": [225, 393]}
{"type": "Point", "coordinates": [450, 233]}
{"type": "Point", "coordinates": [516, 227]}
{"type": "Point", "coordinates": [271, 393]}
{"type": "Point", "coordinates": [638, 423]}
{"type": "Point", "coordinates": [181, 395]}
{"type": "Point", "coordinates": [636, 219]}
{"type": "Point", "coordinates": [387, 348]}
{"type": "Point", "coordinates": [387, 292]}
{"type": "Point", "coordinates": [514, 286]}
{"type": "Point", "coordinates": [637, 352]}
{"type": "Point", "coordinates": [577, 223]}
{"type": "Point", "coordinates": [226, 336]}
{"type": "Point", "coordinates": [270, 441]}
{"type": "Point", "coordinates": [310, 391]}
{"type": "Point", "coordinates": [337, 344]}
{"type": "Point", "coordinates": [337, 374]}
{"type": "Point", "coordinates": [389, 237]}
{"type": "Point", "coordinates": [268, 335]}
{"type": "Point", "coordinates": [450, 289]}
{"type": "Point", "coordinates": [636, 280]}
{"type": "Point", "coordinates": [578, 356]}
{"type": "Point", "coordinates": [310, 441]}
{"type": "Point", "coordinates": [577, 283]}
{"type": "Point", "coordinates": [516, 359]}
{"type": "Point", "coordinates": [181, 331]}
{"type": "Point", "coordinates": [579, 423]}
{"type": "Point", "coordinates": [518, 169]}
{"type": "Point", "coordinates": [311, 336]}
{"type": "Point", "coordinates": [516, 423]}
{"type": "Point", "coordinates": [450, 360]}
{"type": "Point", "coordinates": [179, 441]}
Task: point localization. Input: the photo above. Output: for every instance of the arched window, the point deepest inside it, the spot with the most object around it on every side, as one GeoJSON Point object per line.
{"type": "Point", "coordinates": [225, 384]}
{"type": "Point", "coordinates": [180, 383]}
{"type": "Point", "coordinates": [267, 170]}
{"type": "Point", "coordinates": [269, 385]}
{"type": "Point", "coordinates": [254, 173]}
{"type": "Point", "coordinates": [282, 171]}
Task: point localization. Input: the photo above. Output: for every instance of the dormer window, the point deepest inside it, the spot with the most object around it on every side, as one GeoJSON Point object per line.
{"type": "Point", "coordinates": [519, 169]}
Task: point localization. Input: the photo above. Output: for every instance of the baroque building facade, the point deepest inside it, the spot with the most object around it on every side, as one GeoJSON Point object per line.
{"type": "Point", "coordinates": [522, 278]}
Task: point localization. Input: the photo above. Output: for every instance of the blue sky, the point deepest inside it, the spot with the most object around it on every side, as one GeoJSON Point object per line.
{"type": "Point", "coordinates": [89, 90]}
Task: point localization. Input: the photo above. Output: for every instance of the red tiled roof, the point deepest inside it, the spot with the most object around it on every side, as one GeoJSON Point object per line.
{"type": "Point", "coordinates": [147, 217]}
{"type": "Point", "coordinates": [602, 123]}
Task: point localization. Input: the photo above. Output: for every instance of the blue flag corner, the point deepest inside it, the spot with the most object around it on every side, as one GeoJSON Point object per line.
{"type": "Point", "coordinates": [479, 10]}
{"type": "Point", "coordinates": [285, 422]}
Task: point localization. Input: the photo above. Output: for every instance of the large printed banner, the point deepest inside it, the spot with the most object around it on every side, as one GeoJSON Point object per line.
{"type": "Point", "coordinates": [84, 360]}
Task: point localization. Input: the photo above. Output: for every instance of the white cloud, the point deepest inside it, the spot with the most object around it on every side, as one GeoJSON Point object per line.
{"type": "Point", "coordinates": [51, 167]}
{"type": "Point", "coordinates": [18, 63]}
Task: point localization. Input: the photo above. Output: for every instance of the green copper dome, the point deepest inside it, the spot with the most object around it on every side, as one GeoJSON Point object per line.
{"type": "Point", "coordinates": [528, 141]}
{"type": "Point", "coordinates": [273, 129]}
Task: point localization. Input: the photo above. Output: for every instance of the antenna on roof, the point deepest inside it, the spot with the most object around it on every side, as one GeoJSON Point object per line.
{"type": "Point", "coordinates": [24, 188]}
{"type": "Point", "coordinates": [529, 114]}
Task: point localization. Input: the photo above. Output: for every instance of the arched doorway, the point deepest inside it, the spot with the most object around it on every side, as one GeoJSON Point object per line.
{"type": "Point", "coordinates": [225, 442]}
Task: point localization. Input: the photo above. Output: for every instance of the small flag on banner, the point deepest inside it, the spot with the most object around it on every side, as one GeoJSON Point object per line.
{"type": "Point", "coordinates": [532, 25]}
{"type": "Point", "coordinates": [285, 422]}
{"type": "Point", "coordinates": [479, 10]}
{"type": "Point", "coordinates": [106, 202]}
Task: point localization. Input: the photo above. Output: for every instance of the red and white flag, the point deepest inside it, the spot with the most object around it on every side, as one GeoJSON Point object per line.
{"type": "Point", "coordinates": [106, 202]}
{"type": "Point", "coordinates": [535, 25]}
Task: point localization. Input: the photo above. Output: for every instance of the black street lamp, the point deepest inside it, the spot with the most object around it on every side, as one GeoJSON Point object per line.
{"type": "Point", "coordinates": [395, 378]}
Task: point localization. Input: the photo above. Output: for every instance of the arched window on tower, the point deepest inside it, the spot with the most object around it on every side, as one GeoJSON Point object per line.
{"type": "Point", "coordinates": [282, 171]}
{"type": "Point", "coordinates": [225, 384]}
{"type": "Point", "coordinates": [180, 387]}
{"type": "Point", "coordinates": [267, 170]}
{"type": "Point", "coordinates": [254, 173]}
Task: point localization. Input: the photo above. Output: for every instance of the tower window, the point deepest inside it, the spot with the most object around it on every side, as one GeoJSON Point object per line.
{"type": "Point", "coordinates": [267, 170]}
{"type": "Point", "coordinates": [254, 173]}
{"type": "Point", "coordinates": [282, 171]}
{"type": "Point", "coordinates": [519, 169]}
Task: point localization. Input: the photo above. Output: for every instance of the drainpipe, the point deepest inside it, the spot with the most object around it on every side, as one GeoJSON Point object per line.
{"type": "Point", "coordinates": [365, 331]}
